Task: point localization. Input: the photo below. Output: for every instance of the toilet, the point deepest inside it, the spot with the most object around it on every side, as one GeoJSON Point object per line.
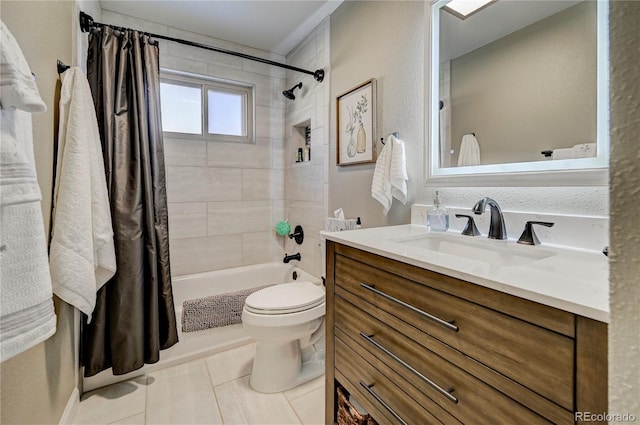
{"type": "Point", "coordinates": [287, 322]}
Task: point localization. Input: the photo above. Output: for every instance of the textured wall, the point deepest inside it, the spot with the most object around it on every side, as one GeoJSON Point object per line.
{"type": "Point", "coordinates": [365, 43]}
{"type": "Point", "coordinates": [37, 384]}
{"type": "Point", "coordinates": [306, 182]}
{"type": "Point", "coordinates": [224, 198]}
{"type": "Point", "coordinates": [382, 40]}
{"type": "Point", "coordinates": [624, 329]}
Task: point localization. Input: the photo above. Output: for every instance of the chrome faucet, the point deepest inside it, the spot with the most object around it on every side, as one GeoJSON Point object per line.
{"type": "Point", "coordinates": [497, 229]}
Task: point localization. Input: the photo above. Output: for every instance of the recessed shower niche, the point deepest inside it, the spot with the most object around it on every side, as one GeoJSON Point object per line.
{"type": "Point", "coordinates": [301, 142]}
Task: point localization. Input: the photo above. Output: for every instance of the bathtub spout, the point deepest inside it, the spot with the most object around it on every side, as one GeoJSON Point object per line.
{"type": "Point", "coordinates": [288, 258]}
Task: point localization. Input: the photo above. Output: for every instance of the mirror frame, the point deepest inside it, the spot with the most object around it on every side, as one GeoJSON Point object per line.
{"type": "Point", "coordinates": [568, 172]}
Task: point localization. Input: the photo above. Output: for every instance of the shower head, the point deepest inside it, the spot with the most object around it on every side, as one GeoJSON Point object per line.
{"type": "Point", "coordinates": [289, 93]}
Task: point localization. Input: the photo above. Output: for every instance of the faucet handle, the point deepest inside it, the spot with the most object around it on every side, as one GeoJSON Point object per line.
{"type": "Point", "coordinates": [528, 236]}
{"type": "Point", "coordinates": [470, 229]}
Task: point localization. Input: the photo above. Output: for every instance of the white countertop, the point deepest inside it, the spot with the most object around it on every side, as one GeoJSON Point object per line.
{"type": "Point", "coordinates": [576, 281]}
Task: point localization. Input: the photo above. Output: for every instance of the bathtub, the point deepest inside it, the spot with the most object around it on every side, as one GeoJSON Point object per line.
{"type": "Point", "coordinates": [193, 345]}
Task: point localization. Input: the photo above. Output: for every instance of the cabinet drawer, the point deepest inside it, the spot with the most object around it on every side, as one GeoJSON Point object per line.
{"type": "Point", "coordinates": [507, 345]}
{"type": "Point", "coordinates": [466, 397]}
{"type": "Point", "coordinates": [385, 396]}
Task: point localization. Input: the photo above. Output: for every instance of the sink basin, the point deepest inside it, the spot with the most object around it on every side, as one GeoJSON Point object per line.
{"type": "Point", "coordinates": [501, 253]}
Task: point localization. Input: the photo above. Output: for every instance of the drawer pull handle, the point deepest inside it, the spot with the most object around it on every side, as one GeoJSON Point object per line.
{"type": "Point", "coordinates": [428, 381]}
{"type": "Point", "coordinates": [381, 401]}
{"type": "Point", "coordinates": [444, 323]}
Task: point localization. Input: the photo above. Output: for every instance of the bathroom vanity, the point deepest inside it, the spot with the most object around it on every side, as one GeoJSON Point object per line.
{"type": "Point", "coordinates": [422, 329]}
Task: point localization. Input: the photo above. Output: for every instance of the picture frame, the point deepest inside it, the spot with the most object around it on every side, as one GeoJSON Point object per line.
{"type": "Point", "coordinates": [356, 124]}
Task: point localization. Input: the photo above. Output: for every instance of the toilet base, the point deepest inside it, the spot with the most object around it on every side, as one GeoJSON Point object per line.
{"type": "Point", "coordinates": [278, 367]}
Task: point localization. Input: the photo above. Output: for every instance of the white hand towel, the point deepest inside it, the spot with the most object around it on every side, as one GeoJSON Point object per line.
{"type": "Point", "coordinates": [582, 150]}
{"type": "Point", "coordinates": [26, 305]}
{"type": "Point", "coordinates": [82, 256]}
{"type": "Point", "coordinates": [398, 171]}
{"type": "Point", "coordinates": [390, 174]}
{"type": "Point", "coordinates": [564, 153]}
{"type": "Point", "coordinates": [469, 151]}
{"type": "Point", "coordinates": [585, 150]}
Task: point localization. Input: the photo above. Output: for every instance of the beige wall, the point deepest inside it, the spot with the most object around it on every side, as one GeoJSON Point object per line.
{"type": "Point", "coordinates": [37, 384]}
{"type": "Point", "coordinates": [306, 183]}
{"type": "Point", "coordinates": [381, 40]}
{"type": "Point", "coordinates": [527, 92]}
{"type": "Point", "coordinates": [624, 329]}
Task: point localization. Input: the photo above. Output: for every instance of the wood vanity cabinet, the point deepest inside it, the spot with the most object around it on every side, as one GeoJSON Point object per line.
{"type": "Point", "coordinates": [418, 347]}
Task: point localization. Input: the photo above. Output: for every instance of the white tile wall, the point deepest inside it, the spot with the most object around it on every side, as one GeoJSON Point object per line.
{"type": "Point", "coordinates": [306, 183]}
{"type": "Point", "coordinates": [185, 152]}
{"type": "Point", "coordinates": [262, 184]}
{"type": "Point", "coordinates": [195, 255]}
{"type": "Point", "coordinates": [235, 218]}
{"type": "Point", "coordinates": [262, 247]}
{"type": "Point", "coordinates": [240, 155]}
{"type": "Point", "coordinates": [187, 219]}
{"type": "Point", "coordinates": [191, 184]}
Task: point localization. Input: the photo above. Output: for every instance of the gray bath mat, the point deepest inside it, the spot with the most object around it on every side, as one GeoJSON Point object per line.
{"type": "Point", "coordinates": [215, 311]}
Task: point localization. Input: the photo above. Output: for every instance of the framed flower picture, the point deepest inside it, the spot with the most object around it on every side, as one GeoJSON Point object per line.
{"type": "Point", "coordinates": [356, 133]}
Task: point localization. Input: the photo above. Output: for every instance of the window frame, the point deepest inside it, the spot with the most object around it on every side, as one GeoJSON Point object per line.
{"type": "Point", "coordinates": [206, 83]}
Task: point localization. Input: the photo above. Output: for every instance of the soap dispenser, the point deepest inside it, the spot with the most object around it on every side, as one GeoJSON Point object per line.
{"type": "Point", "coordinates": [437, 216]}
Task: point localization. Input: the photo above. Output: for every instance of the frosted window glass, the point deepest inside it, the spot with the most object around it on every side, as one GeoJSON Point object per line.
{"type": "Point", "coordinates": [226, 113]}
{"type": "Point", "coordinates": [181, 108]}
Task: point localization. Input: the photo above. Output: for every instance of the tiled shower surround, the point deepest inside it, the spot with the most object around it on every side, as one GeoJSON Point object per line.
{"type": "Point", "coordinates": [225, 198]}
{"type": "Point", "coordinates": [306, 184]}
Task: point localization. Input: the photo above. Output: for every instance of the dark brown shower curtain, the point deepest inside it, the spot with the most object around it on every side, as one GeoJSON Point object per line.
{"type": "Point", "coordinates": [134, 316]}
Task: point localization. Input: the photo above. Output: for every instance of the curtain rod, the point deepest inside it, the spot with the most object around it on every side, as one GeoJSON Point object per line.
{"type": "Point", "coordinates": [87, 22]}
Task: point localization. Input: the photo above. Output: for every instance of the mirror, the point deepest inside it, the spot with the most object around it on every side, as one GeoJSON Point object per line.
{"type": "Point", "coordinates": [519, 89]}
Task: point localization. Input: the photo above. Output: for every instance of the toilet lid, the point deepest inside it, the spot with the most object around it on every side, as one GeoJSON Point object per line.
{"type": "Point", "coordinates": [285, 298]}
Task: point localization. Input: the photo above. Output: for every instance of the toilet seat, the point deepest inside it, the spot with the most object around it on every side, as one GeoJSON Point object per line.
{"type": "Point", "coordinates": [285, 298]}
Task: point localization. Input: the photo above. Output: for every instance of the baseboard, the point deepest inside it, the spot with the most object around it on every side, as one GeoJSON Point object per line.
{"type": "Point", "coordinates": [70, 410]}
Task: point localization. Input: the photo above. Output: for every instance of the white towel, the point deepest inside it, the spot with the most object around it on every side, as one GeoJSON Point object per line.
{"type": "Point", "coordinates": [469, 151]}
{"type": "Point", "coordinates": [390, 174]}
{"type": "Point", "coordinates": [582, 150]}
{"type": "Point", "coordinates": [26, 306]}
{"type": "Point", "coordinates": [585, 150]}
{"type": "Point", "coordinates": [82, 256]}
{"type": "Point", "coordinates": [564, 153]}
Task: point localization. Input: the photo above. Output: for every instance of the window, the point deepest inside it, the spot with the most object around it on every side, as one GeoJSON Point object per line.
{"type": "Point", "coordinates": [207, 109]}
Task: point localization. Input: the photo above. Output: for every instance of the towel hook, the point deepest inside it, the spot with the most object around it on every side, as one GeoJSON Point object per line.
{"type": "Point", "coordinates": [62, 67]}
{"type": "Point", "coordinates": [395, 134]}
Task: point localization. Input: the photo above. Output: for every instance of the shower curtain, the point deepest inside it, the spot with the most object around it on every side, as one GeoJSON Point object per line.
{"type": "Point", "coordinates": [134, 316]}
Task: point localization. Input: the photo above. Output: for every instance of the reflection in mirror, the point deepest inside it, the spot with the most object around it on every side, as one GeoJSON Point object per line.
{"type": "Point", "coordinates": [519, 86]}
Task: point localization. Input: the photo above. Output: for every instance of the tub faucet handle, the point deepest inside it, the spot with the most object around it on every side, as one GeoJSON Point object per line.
{"type": "Point", "coordinates": [528, 236]}
{"type": "Point", "coordinates": [470, 229]}
{"type": "Point", "coordinates": [297, 235]}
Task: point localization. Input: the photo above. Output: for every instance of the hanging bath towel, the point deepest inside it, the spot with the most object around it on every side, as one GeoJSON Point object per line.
{"type": "Point", "coordinates": [26, 306]}
{"type": "Point", "coordinates": [469, 151]}
{"type": "Point", "coordinates": [82, 249]}
{"type": "Point", "coordinates": [390, 175]}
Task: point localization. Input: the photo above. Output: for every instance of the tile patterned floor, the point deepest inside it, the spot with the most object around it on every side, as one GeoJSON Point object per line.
{"type": "Point", "coordinates": [213, 390]}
